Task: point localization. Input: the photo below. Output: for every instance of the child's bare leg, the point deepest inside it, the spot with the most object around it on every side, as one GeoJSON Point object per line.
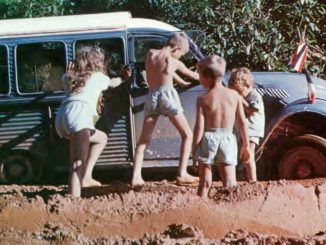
{"type": "Point", "coordinates": [97, 143]}
{"type": "Point", "coordinates": [181, 124]}
{"type": "Point", "coordinates": [229, 175]}
{"type": "Point", "coordinates": [79, 146]}
{"type": "Point", "coordinates": [205, 180]}
{"type": "Point", "coordinates": [148, 126]}
{"type": "Point", "coordinates": [221, 172]}
{"type": "Point", "coordinates": [251, 167]}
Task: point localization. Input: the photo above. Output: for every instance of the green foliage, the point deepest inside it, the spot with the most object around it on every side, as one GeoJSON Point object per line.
{"type": "Point", "coordinates": [259, 34]}
{"type": "Point", "coordinates": [33, 8]}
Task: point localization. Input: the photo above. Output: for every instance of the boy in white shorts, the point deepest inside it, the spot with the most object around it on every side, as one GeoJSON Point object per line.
{"type": "Point", "coordinates": [161, 66]}
{"type": "Point", "coordinates": [217, 111]}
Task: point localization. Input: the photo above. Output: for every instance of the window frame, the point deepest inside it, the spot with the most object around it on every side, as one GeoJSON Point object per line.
{"type": "Point", "coordinates": [8, 68]}
{"type": "Point", "coordinates": [16, 70]}
{"type": "Point", "coordinates": [88, 38]}
{"type": "Point", "coordinates": [143, 36]}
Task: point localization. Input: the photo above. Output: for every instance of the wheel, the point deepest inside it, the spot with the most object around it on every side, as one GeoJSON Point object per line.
{"type": "Point", "coordinates": [304, 158]}
{"type": "Point", "coordinates": [18, 169]}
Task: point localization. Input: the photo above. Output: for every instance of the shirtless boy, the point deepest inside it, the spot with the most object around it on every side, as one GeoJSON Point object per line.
{"type": "Point", "coordinates": [217, 111]}
{"type": "Point", "coordinates": [161, 66]}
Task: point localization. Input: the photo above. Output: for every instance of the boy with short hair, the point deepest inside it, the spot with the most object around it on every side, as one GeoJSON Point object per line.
{"type": "Point", "coordinates": [217, 111]}
{"type": "Point", "coordinates": [241, 80]}
{"type": "Point", "coordinates": [161, 66]}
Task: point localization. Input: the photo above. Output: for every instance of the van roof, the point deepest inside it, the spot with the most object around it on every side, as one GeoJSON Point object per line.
{"type": "Point", "coordinates": [77, 23]}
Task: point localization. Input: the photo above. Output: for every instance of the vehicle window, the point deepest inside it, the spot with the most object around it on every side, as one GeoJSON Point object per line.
{"type": "Point", "coordinates": [40, 66]}
{"type": "Point", "coordinates": [141, 48]}
{"type": "Point", "coordinates": [114, 53]}
{"type": "Point", "coordinates": [4, 79]}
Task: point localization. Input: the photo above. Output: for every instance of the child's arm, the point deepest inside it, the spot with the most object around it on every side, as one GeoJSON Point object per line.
{"type": "Point", "coordinates": [185, 71]}
{"type": "Point", "coordinates": [249, 109]}
{"type": "Point", "coordinates": [242, 126]}
{"type": "Point", "coordinates": [198, 129]}
{"type": "Point", "coordinates": [115, 82]}
{"type": "Point", "coordinates": [244, 103]}
{"type": "Point", "coordinates": [180, 81]}
{"type": "Point", "coordinates": [125, 74]}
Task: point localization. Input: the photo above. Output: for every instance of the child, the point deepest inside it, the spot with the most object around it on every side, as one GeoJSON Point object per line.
{"type": "Point", "coordinates": [161, 66]}
{"type": "Point", "coordinates": [217, 111]}
{"type": "Point", "coordinates": [85, 80]}
{"type": "Point", "coordinates": [241, 80]}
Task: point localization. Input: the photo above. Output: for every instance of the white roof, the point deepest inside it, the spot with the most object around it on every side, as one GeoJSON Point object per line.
{"type": "Point", "coordinates": [76, 23]}
{"type": "Point", "coordinates": [149, 23]}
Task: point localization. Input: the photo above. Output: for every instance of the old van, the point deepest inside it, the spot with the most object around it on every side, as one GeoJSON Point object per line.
{"type": "Point", "coordinates": [33, 56]}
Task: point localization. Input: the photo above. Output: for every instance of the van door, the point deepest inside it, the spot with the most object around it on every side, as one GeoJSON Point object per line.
{"type": "Point", "coordinates": [165, 141]}
{"type": "Point", "coordinates": [115, 116]}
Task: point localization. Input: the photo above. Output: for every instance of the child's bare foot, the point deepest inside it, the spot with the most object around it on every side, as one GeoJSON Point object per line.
{"type": "Point", "coordinates": [90, 183]}
{"type": "Point", "coordinates": [202, 193]}
{"type": "Point", "coordinates": [137, 182]}
{"type": "Point", "coordinates": [187, 179]}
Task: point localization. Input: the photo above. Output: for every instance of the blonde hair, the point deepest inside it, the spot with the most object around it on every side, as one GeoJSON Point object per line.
{"type": "Point", "coordinates": [88, 60]}
{"type": "Point", "coordinates": [212, 67]}
{"type": "Point", "coordinates": [179, 40]}
{"type": "Point", "coordinates": [240, 78]}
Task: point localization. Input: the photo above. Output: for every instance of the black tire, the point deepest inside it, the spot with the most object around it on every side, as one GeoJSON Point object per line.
{"type": "Point", "coordinates": [19, 168]}
{"type": "Point", "coordinates": [305, 157]}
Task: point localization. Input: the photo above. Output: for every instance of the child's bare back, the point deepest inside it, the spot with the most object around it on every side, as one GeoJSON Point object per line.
{"type": "Point", "coordinates": [160, 67]}
{"type": "Point", "coordinates": [163, 99]}
{"type": "Point", "coordinates": [220, 106]}
{"type": "Point", "coordinates": [217, 111]}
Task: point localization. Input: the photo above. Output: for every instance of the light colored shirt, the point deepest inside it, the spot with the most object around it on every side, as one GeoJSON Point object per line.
{"type": "Point", "coordinates": [256, 122]}
{"type": "Point", "coordinates": [91, 92]}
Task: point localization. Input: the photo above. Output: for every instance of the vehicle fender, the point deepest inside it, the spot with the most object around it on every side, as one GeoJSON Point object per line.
{"type": "Point", "coordinates": [300, 106]}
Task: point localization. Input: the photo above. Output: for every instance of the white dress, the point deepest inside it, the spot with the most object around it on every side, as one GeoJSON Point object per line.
{"type": "Point", "coordinates": [78, 110]}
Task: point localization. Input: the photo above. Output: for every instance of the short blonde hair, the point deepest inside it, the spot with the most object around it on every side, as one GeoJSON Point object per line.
{"type": "Point", "coordinates": [179, 40]}
{"type": "Point", "coordinates": [240, 78]}
{"type": "Point", "coordinates": [212, 67]}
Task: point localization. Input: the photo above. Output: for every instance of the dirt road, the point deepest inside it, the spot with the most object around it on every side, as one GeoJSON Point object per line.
{"type": "Point", "coordinates": [164, 213]}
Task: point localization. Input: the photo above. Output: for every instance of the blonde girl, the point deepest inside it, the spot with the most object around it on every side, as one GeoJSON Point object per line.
{"type": "Point", "coordinates": [241, 80]}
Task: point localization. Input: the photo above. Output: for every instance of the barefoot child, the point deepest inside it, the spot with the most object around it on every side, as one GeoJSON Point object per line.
{"type": "Point", "coordinates": [161, 66]}
{"type": "Point", "coordinates": [85, 80]}
{"type": "Point", "coordinates": [217, 111]}
{"type": "Point", "coordinates": [241, 80]}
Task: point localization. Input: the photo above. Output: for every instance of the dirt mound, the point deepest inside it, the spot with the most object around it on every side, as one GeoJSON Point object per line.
{"type": "Point", "coordinates": [175, 234]}
{"type": "Point", "coordinates": [163, 211]}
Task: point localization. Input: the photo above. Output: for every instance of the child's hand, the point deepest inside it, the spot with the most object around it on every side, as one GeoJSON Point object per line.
{"type": "Point", "coordinates": [250, 111]}
{"type": "Point", "coordinates": [70, 67]}
{"type": "Point", "coordinates": [125, 73]}
{"type": "Point", "coordinates": [245, 154]}
{"type": "Point", "coordinates": [185, 84]}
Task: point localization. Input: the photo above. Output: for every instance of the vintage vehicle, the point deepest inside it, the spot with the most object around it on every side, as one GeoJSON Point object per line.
{"type": "Point", "coordinates": [33, 56]}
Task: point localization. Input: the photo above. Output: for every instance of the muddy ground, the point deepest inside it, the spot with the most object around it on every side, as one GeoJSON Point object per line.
{"type": "Point", "coordinates": [275, 212]}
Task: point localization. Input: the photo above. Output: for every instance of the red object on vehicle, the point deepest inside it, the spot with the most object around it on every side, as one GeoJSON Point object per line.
{"type": "Point", "coordinates": [300, 56]}
{"type": "Point", "coordinates": [311, 93]}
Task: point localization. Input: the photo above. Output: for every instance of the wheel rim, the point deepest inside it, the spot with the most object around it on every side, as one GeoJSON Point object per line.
{"type": "Point", "coordinates": [16, 169]}
{"type": "Point", "coordinates": [302, 162]}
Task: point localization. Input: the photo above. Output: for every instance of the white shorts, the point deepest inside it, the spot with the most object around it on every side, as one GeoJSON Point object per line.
{"type": "Point", "coordinates": [218, 145]}
{"type": "Point", "coordinates": [72, 117]}
{"type": "Point", "coordinates": [163, 101]}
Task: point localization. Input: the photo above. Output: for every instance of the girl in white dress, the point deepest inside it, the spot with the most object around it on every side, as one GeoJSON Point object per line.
{"type": "Point", "coordinates": [84, 81]}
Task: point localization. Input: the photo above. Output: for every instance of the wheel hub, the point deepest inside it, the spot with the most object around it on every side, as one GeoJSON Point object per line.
{"type": "Point", "coordinates": [15, 170]}
{"type": "Point", "coordinates": [303, 170]}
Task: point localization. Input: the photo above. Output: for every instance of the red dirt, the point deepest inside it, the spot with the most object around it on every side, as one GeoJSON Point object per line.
{"type": "Point", "coordinates": [272, 212]}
